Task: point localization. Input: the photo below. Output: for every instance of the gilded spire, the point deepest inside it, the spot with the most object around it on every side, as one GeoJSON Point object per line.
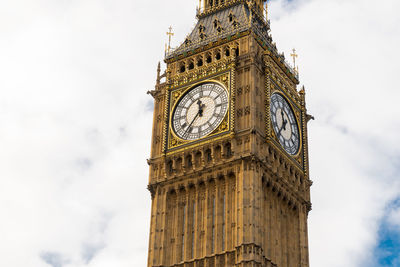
{"type": "Point", "coordinates": [294, 55]}
{"type": "Point", "coordinates": [158, 73]}
{"type": "Point", "coordinates": [170, 34]}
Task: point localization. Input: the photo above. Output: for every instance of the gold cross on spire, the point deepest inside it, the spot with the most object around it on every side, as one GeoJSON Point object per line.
{"type": "Point", "coordinates": [294, 55]}
{"type": "Point", "coordinates": [170, 34]}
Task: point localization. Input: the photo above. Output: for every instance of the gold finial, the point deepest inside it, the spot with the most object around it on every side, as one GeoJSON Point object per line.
{"type": "Point", "coordinates": [170, 34]}
{"type": "Point", "coordinates": [158, 73]}
{"type": "Point", "coordinates": [199, 9]}
{"type": "Point", "coordinates": [294, 55]}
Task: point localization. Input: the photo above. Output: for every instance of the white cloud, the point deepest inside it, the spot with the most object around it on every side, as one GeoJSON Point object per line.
{"type": "Point", "coordinates": [394, 217]}
{"type": "Point", "coordinates": [75, 124]}
{"type": "Point", "coordinates": [347, 62]}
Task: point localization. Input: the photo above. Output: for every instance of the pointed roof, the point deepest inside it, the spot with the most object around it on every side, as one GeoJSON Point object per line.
{"type": "Point", "coordinates": [227, 22]}
{"type": "Point", "coordinates": [219, 25]}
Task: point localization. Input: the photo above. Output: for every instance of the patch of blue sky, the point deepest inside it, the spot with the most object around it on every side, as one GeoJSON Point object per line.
{"type": "Point", "coordinates": [387, 251]}
{"type": "Point", "coordinates": [54, 259]}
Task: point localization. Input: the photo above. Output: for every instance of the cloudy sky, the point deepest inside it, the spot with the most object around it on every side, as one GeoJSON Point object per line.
{"type": "Point", "coordinates": [75, 126]}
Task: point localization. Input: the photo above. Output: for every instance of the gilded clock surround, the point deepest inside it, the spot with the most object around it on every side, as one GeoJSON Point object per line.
{"type": "Point", "coordinates": [296, 121]}
{"type": "Point", "coordinates": [275, 82]}
{"type": "Point", "coordinates": [234, 197]}
{"type": "Point", "coordinates": [297, 112]}
{"type": "Point", "coordinates": [223, 79]}
{"type": "Point", "coordinates": [199, 111]}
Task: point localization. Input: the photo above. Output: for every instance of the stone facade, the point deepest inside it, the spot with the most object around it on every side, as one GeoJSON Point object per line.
{"type": "Point", "coordinates": [234, 198]}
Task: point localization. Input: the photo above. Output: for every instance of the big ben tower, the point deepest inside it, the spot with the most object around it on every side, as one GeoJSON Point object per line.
{"type": "Point", "coordinates": [229, 176]}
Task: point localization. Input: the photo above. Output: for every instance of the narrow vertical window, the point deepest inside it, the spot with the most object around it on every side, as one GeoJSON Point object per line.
{"type": "Point", "coordinates": [213, 226]}
{"type": "Point", "coordinates": [183, 232]}
{"type": "Point", "coordinates": [223, 224]}
{"type": "Point", "coordinates": [193, 227]}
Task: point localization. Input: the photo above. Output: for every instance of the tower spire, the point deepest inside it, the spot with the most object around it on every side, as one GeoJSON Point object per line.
{"type": "Point", "coordinates": [294, 55]}
{"type": "Point", "coordinates": [170, 34]}
{"type": "Point", "coordinates": [158, 73]}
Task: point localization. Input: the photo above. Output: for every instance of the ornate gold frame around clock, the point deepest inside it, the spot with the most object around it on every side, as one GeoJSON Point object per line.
{"type": "Point", "coordinates": [225, 79]}
{"type": "Point", "coordinates": [297, 114]}
{"type": "Point", "coordinates": [275, 88]}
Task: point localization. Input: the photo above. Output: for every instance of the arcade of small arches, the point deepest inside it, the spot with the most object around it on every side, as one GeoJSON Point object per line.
{"type": "Point", "coordinates": [283, 168]}
{"type": "Point", "coordinates": [212, 155]}
{"type": "Point", "coordinates": [207, 58]}
{"type": "Point", "coordinates": [198, 159]}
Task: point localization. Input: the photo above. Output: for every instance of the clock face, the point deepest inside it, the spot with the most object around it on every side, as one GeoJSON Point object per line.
{"type": "Point", "coordinates": [200, 111]}
{"type": "Point", "coordinates": [285, 124]}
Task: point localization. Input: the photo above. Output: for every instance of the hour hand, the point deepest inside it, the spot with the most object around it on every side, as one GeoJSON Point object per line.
{"type": "Point", "coordinates": [280, 130]}
{"type": "Point", "coordinates": [284, 122]}
{"type": "Point", "coordinates": [201, 107]}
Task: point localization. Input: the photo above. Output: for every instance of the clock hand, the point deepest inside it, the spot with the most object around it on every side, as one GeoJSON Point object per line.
{"type": "Point", "coordinates": [195, 117]}
{"type": "Point", "coordinates": [201, 106]}
{"type": "Point", "coordinates": [199, 113]}
{"type": "Point", "coordinates": [280, 130]}
{"type": "Point", "coordinates": [284, 122]}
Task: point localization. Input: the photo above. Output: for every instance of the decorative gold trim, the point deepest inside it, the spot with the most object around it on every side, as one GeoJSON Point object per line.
{"type": "Point", "coordinates": [206, 47]}
{"type": "Point", "coordinates": [180, 94]}
{"type": "Point", "coordinates": [199, 143]}
{"type": "Point", "coordinates": [282, 66]}
{"type": "Point", "coordinates": [165, 127]}
{"type": "Point", "coordinates": [233, 88]}
{"type": "Point", "coordinates": [223, 79]}
{"type": "Point", "coordinates": [268, 102]}
{"type": "Point", "coordinates": [305, 134]}
{"type": "Point", "coordinates": [298, 118]}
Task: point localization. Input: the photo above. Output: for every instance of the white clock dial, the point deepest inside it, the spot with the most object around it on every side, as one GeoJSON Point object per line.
{"type": "Point", "coordinates": [200, 111]}
{"type": "Point", "coordinates": [284, 124]}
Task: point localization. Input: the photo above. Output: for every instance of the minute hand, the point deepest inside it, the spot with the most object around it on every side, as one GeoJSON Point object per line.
{"type": "Point", "coordinates": [195, 117]}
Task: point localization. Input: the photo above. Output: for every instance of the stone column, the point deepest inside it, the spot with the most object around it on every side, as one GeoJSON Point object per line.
{"type": "Point", "coordinates": [152, 243]}
{"type": "Point", "coordinates": [163, 226]}
{"type": "Point", "coordinates": [240, 210]}
{"type": "Point", "coordinates": [185, 224]}
{"type": "Point", "coordinates": [303, 236]}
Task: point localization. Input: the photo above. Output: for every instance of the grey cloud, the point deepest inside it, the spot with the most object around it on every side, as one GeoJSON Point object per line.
{"type": "Point", "coordinates": [84, 163]}
{"type": "Point", "coordinates": [90, 251]}
{"type": "Point", "coordinates": [71, 78]}
{"type": "Point", "coordinates": [149, 106]}
{"type": "Point", "coordinates": [53, 258]}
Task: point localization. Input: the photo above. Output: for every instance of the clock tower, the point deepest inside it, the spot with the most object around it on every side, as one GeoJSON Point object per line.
{"type": "Point", "coordinates": [229, 176]}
